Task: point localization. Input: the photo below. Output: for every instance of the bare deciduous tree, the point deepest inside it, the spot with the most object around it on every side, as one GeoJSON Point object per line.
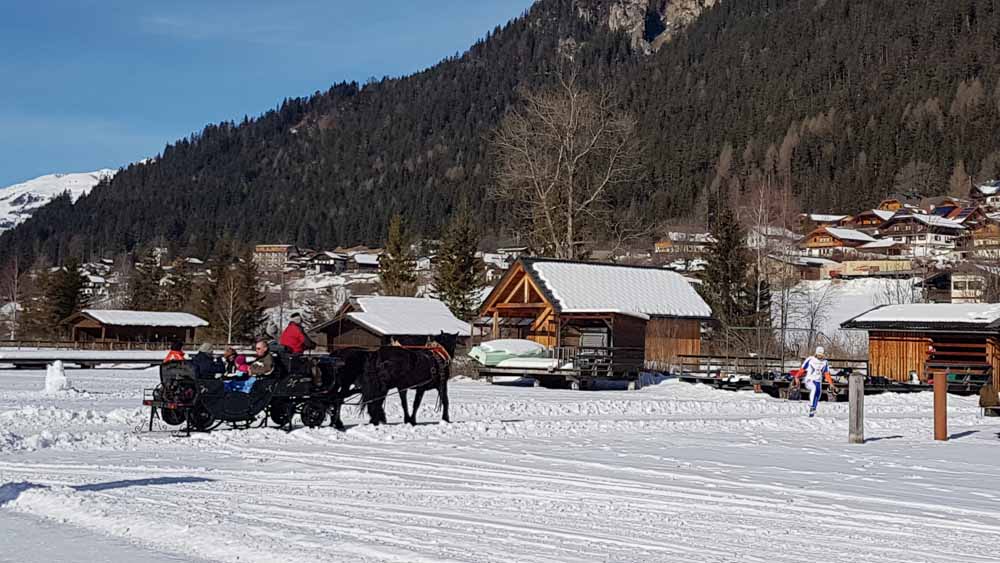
{"type": "Point", "coordinates": [10, 293]}
{"type": "Point", "coordinates": [897, 292]}
{"type": "Point", "coordinates": [561, 157]}
{"type": "Point", "coordinates": [229, 308]}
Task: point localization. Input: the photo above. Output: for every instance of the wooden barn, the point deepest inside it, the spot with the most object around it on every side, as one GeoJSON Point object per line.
{"type": "Point", "coordinates": [931, 338]}
{"type": "Point", "coordinates": [109, 325]}
{"type": "Point", "coordinates": [558, 303]}
{"type": "Point", "coordinates": [370, 322]}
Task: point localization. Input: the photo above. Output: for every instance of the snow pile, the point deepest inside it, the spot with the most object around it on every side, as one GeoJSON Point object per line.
{"type": "Point", "coordinates": [55, 379]}
{"type": "Point", "coordinates": [19, 201]}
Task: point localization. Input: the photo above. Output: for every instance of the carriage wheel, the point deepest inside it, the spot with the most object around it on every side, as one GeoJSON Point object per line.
{"type": "Point", "coordinates": [281, 411]}
{"type": "Point", "coordinates": [172, 417]}
{"type": "Point", "coordinates": [314, 413]}
{"type": "Point", "coordinates": [198, 418]}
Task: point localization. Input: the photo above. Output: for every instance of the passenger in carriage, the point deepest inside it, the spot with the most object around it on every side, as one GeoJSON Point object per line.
{"type": "Point", "coordinates": [206, 365]}
{"type": "Point", "coordinates": [236, 364]}
{"type": "Point", "coordinates": [176, 353]}
{"type": "Point", "coordinates": [294, 338]}
{"type": "Point", "coordinates": [263, 364]}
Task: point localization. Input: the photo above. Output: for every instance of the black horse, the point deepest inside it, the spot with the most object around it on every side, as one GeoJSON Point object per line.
{"type": "Point", "coordinates": [419, 368]}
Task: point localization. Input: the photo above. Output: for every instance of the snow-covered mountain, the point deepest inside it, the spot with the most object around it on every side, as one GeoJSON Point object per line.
{"type": "Point", "coordinates": [19, 201]}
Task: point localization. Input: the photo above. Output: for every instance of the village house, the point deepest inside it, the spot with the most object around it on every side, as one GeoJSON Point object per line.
{"type": "Point", "coordinates": [926, 235]}
{"type": "Point", "coordinates": [834, 241]}
{"type": "Point", "coordinates": [811, 221]}
{"type": "Point", "coordinates": [870, 220]}
{"type": "Point", "coordinates": [898, 202]}
{"type": "Point", "coordinates": [323, 262]}
{"type": "Point", "coordinates": [772, 238]}
{"type": "Point", "coordinates": [984, 241]}
{"type": "Point", "coordinates": [966, 286]}
{"type": "Point", "coordinates": [559, 303]}
{"type": "Point", "coordinates": [987, 195]}
{"type": "Point", "coordinates": [683, 244]}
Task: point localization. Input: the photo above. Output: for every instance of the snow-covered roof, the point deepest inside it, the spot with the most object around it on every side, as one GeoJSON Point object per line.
{"type": "Point", "coordinates": [935, 221]}
{"type": "Point", "coordinates": [579, 287]}
{"type": "Point", "coordinates": [883, 214]}
{"type": "Point", "coordinates": [989, 188]}
{"type": "Point", "coordinates": [411, 316]}
{"type": "Point", "coordinates": [850, 234]}
{"type": "Point", "coordinates": [881, 243]}
{"type": "Point", "coordinates": [928, 315]}
{"type": "Point", "coordinates": [366, 259]}
{"type": "Point", "coordinates": [116, 317]}
{"type": "Point", "coordinates": [826, 218]}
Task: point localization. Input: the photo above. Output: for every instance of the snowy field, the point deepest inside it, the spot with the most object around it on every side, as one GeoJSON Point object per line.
{"type": "Point", "coordinates": [674, 472]}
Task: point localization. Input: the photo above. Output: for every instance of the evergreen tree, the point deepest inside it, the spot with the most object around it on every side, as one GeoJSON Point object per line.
{"type": "Point", "coordinates": [146, 291]}
{"type": "Point", "coordinates": [728, 288]}
{"type": "Point", "coordinates": [252, 313]}
{"type": "Point", "coordinates": [177, 291]}
{"type": "Point", "coordinates": [65, 295]}
{"type": "Point", "coordinates": [397, 266]}
{"type": "Point", "coordinates": [458, 273]}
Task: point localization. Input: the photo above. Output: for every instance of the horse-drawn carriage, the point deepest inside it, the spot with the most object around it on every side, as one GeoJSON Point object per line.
{"type": "Point", "coordinates": [313, 387]}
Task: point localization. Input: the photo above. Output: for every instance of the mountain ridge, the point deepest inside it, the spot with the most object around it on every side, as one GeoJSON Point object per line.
{"type": "Point", "coordinates": [840, 101]}
{"type": "Point", "coordinates": [19, 201]}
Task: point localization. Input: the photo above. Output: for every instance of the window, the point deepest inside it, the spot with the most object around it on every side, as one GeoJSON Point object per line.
{"type": "Point", "coordinates": [975, 286]}
{"type": "Point", "coordinates": [959, 286]}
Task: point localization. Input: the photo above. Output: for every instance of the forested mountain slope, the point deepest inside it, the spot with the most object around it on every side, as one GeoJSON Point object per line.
{"type": "Point", "coordinates": [843, 101]}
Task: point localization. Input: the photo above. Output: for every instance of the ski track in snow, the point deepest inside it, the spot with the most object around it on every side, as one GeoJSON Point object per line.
{"type": "Point", "coordinates": [674, 472]}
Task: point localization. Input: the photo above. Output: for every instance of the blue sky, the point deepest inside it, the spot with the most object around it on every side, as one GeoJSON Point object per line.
{"type": "Point", "coordinates": [88, 84]}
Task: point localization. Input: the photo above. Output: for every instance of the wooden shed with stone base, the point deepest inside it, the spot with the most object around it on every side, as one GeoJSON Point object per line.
{"type": "Point", "coordinates": [928, 339]}
{"type": "Point", "coordinates": [560, 304]}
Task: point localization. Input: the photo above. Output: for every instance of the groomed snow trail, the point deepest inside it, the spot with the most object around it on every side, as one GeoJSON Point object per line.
{"type": "Point", "coordinates": [674, 472]}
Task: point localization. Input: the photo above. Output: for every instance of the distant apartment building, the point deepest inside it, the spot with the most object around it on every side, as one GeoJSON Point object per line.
{"type": "Point", "coordinates": [273, 258]}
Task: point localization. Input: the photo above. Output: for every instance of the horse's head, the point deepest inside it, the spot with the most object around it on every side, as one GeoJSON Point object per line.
{"type": "Point", "coordinates": [448, 341]}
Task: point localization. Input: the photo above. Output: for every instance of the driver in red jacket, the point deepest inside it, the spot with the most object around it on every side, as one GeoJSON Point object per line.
{"type": "Point", "coordinates": [294, 338]}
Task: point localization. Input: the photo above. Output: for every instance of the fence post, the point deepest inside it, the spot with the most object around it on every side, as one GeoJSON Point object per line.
{"type": "Point", "coordinates": [856, 393]}
{"type": "Point", "coordinates": [941, 406]}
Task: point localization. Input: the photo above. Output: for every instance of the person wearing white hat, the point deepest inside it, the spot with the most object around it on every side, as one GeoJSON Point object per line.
{"type": "Point", "coordinates": [816, 367]}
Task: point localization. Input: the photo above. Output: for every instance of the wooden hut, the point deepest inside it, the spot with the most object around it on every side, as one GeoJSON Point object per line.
{"type": "Point", "coordinates": [557, 303]}
{"type": "Point", "coordinates": [370, 322]}
{"type": "Point", "coordinates": [109, 325]}
{"type": "Point", "coordinates": [931, 338]}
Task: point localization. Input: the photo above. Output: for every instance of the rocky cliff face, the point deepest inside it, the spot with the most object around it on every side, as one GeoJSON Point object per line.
{"type": "Point", "coordinates": [650, 23]}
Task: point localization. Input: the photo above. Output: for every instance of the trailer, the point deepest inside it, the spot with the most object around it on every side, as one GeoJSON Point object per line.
{"type": "Point", "coordinates": [576, 367]}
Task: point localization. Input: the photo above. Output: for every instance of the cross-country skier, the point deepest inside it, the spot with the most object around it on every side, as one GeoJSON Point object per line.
{"type": "Point", "coordinates": [816, 368]}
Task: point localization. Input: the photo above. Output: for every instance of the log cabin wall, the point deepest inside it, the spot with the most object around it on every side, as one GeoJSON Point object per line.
{"type": "Point", "coordinates": [896, 354]}
{"type": "Point", "coordinates": [347, 334]}
{"type": "Point", "coordinates": [666, 339]}
{"type": "Point", "coordinates": [993, 357]}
